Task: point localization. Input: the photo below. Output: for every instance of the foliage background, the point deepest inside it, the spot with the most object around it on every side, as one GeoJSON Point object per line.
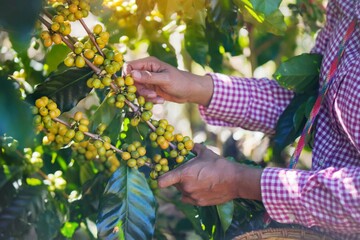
{"type": "Point", "coordinates": [240, 37]}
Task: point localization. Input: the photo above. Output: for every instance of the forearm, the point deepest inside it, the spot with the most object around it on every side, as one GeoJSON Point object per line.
{"type": "Point", "coordinates": [248, 182]}
{"type": "Point", "coordinates": [200, 88]}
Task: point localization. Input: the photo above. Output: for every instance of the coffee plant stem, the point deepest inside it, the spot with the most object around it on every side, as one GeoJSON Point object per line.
{"type": "Point", "coordinates": [98, 70]}
{"type": "Point", "coordinates": [71, 46]}
{"type": "Point", "coordinates": [91, 36]}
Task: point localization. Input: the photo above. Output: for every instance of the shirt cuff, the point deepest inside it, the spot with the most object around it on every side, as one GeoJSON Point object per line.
{"type": "Point", "coordinates": [281, 194]}
{"type": "Point", "coordinates": [228, 98]}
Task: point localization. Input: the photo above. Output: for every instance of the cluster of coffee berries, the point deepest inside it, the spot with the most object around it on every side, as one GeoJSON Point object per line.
{"type": "Point", "coordinates": [134, 154]}
{"type": "Point", "coordinates": [125, 91]}
{"type": "Point", "coordinates": [124, 11]}
{"type": "Point", "coordinates": [96, 149]}
{"type": "Point", "coordinates": [101, 36]}
{"type": "Point", "coordinates": [162, 135]}
{"type": "Point", "coordinates": [48, 38]}
{"type": "Point", "coordinates": [175, 146]}
{"type": "Point", "coordinates": [45, 111]}
{"type": "Point", "coordinates": [73, 10]}
{"type": "Point", "coordinates": [160, 166]}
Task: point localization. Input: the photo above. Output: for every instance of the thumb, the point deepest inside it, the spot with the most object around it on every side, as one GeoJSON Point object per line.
{"type": "Point", "coordinates": [147, 77]}
{"type": "Point", "coordinates": [169, 178]}
{"type": "Point", "coordinates": [198, 148]}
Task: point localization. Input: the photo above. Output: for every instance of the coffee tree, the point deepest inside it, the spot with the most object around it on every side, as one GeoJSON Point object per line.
{"type": "Point", "coordinates": [65, 167]}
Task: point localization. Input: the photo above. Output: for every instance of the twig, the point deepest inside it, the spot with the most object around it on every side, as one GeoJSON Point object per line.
{"type": "Point", "coordinates": [97, 70]}
{"type": "Point", "coordinates": [91, 36]}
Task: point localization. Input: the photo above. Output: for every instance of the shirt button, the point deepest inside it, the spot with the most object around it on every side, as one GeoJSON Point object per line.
{"type": "Point", "coordinates": [291, 217]}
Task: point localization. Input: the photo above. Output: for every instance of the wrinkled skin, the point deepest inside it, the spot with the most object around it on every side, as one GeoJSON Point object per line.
{"type": "Point", "coordinates": [158, 81]}
{"type": "Point", "coordinates": [208, 179]}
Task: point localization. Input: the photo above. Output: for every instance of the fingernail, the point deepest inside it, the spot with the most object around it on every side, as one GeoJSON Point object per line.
{"type": "Point", "coordinates": [136, 74]}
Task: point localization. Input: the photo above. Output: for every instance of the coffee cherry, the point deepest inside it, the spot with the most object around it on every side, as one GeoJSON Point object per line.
{"type": "Point", "coordinates": [79, 62]}
{"type": "Point", "coordinates": [146, 116]}
{"type": "Point", "coordinates": [45, 35]}
{"type": "Point", "coordinates": [148, 106]}
{"type": "Point", "coordinates": [118, 57]}
{"type": "Point", "coordinates": [153, 136]}
{"type": "Point", "coordinates": [132, 163]}
{"type": "Point", "coordinates": [56, 38]}
{"type": "Point", "coordinates": [78, 116]}
{"type": "Point", "coordinates": [69, 61]}
{"type": "Point", "coordinates": [47, 42]}
{"type": "Point", "coordinates": [89, 53]}
{"type": "Point", "coordinates": [98, 59]}
{"type": "Point", "coordinates": [129, 80]}
{"type": "Point", "coordinates": [179, 159]}
{"type": "Point", "coordinates": [134, 121]}
{"type": "Point", "coordinates": [141, 100]}
{"type": "Point", "coordinates": [97, 29]}
{"type": "Point", "coordinates": [125, 156]}
{"type": "Point", "coordinates": [55, 26]}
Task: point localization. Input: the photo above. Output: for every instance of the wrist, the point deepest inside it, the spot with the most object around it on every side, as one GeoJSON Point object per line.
{"type": "Point", "coordinates": [249, 182]}
{"type": "Point", "coordinates": [201, 89]}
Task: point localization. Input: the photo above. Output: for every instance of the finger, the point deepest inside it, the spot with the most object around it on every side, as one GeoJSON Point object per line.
{"type": "Point", "coordinates": [146, 92]}
{"type": "Point", "coordinates": [186, 199]}
{"type": "Point", "coordinates": [198, 148]}
{"type": "Point", "coordinates": [151, 64]}
{"type": "Point", "coordinates": [169, 179]}
{"type": "Point", "coordinates": [147, 77]}
{"type": "Point", "coordinates": [156, 100]}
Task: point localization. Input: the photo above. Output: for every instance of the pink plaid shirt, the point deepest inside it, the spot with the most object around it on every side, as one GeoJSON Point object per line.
{"type": "Point", "coordinates": [328, 196]}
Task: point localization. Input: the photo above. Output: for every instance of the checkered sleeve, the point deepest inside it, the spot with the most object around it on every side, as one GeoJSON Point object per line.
{"type": "Point", "coordinates": [328, 198]}
{"type": "Point", "coordinates": [253, 104]}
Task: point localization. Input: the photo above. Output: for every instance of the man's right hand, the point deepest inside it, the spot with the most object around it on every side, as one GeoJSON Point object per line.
{"type": "Point", "coordinates": [158, 81]}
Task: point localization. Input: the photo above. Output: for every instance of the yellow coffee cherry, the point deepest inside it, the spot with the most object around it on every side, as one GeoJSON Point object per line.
{"type": "Point", "coordinates": [78, 116]}
{"type": "Point", "coordinates": [97, 29]}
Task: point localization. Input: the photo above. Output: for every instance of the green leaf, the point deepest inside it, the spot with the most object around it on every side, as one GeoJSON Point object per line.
{"type": "Point", "coordinates": [129, 200]}
{"type": "Point", "coordinates": [265, 6]}
{"type": "Point", "coordinates": [309, 106]}
{"type": "Point", "coordinates": [163, 51]}
{"type": "Point", "coordinates": [16, 120]}
{"type": "Point", "coordinates": [192, 214]}
{"type": "Point", "coordinates": [273, 23]}
{"type": "Point", "coordinates": [225, 212]}
{"type": "Point", "coordinates": [55, 56]}
{"type": "Point", "coordinates": [18, 18]}
{"type": "Point", "coordinates": [24, 209]}
{"type": "Point", "coordinates": [224, 14]}
{"type": "Point", "coordinates": [109, 115]}
{"type": "Point", "coordinates": [299, 116]}
{"type": "Point", "coordinates": [209, 219]}
{"type": "Point", "coordinates": [48, 223]}
{"type": "Point", "coordinates": [66, 87]}
{"type": "Point", "coordinates": [300, 74]}
{"type": "Point", "coordinates": [196, 43]}
{"type": "Point", "coordinates": [286, 132]}
{"type": "Point", "coordinates": [87, 172]}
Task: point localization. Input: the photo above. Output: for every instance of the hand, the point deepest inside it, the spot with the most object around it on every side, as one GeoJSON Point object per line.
{"type": "Point", "coordinates": [158, 81]}
{"type": "Point", "coordinates": [209, 179]}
